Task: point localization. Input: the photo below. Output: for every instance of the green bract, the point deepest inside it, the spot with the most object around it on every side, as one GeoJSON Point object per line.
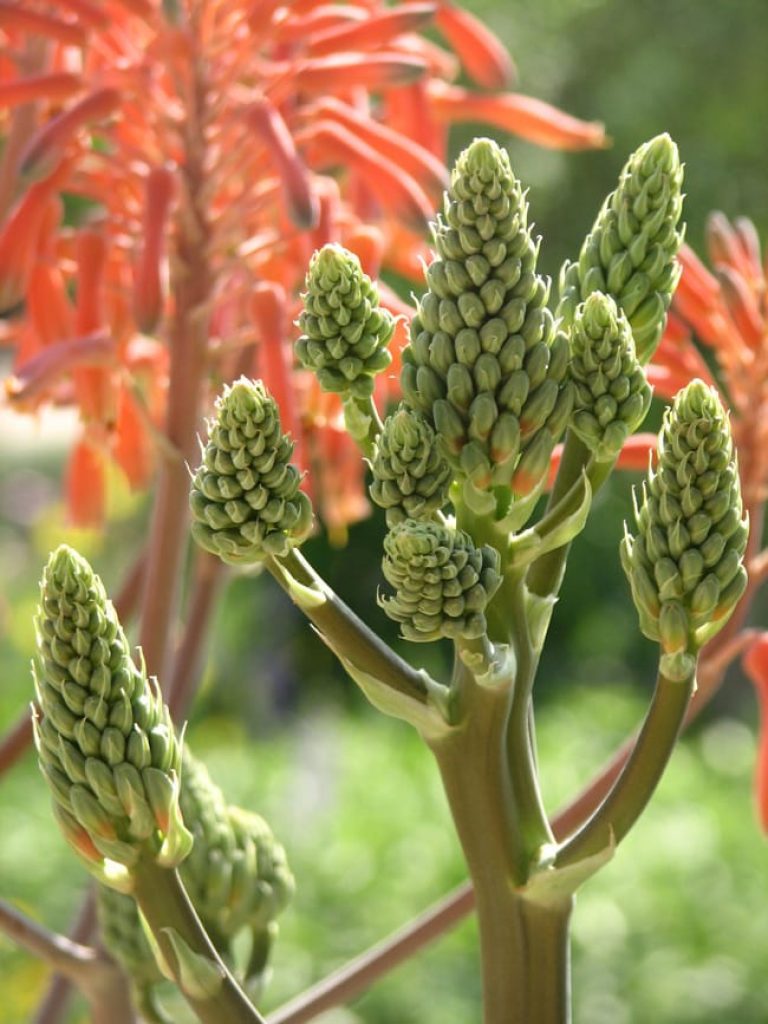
{"type": "Point", "coordinates": [345, 333]}
{"type": "Point", "coordinates": [442, 582]}
{"type": "Point", "coordinates": [485, 364]}
{"type": "Point", "coordinates": [236, 876]}
{"type": "Point", "coordinates": [612, 395]}
{"type": "Point", "coordinates": [630, 253]}
{"type": "Point", "coordinates": [685, 563]}
{"type": "Point", "coordinates": [245, 497]}
{"type": "Point", "coordinates": [105, 740]}
{"type": "Point", "coordinates": [410, 475]}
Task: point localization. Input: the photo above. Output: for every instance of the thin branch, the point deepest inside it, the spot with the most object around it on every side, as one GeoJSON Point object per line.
{"type": "Point", "coordinates": [209, 572]}
{"type": "Point", "coordinates": [353, 978]}
{"type": "Point", "coordinates": [56, 999]}
{"type": "Point", "coordinates": [15, 742]}
{"type": "Point", "coordinates": [70, 958]}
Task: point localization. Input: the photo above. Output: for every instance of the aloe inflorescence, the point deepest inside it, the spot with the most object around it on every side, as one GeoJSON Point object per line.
{"type": "Point", "coordinates": [485, 364]}
{"type": "Point", "coordinates": [246, 500]}
{"type": "Point", "coordinates": [685, 563]}
{"type": "Point", "coordinates": [105, 740]}
{"type": "Point", "coordinates": [631, 251]}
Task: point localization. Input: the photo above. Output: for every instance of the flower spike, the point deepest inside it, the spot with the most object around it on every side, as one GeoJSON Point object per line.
{"type": "Point", "coordinates": [685, 564]}
{"type": "Point", "coordinates": [630, 253]}
{"type": "Point", "coordinates": [245, 498]}
{"type": "Point", "coordinates": [104, 738]}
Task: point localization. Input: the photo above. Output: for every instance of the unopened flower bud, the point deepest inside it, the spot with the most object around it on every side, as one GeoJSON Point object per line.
{"type": "Point", "coordinates": [345, 332]}
{"type": "Point", "coordinates": [245, 497]}
{"type": "Point", "coordinates": [410, 475]}
{"type": "Point", "coordinates": [442, 582]}
{"type": "Point", "coordinates": [612, 395]}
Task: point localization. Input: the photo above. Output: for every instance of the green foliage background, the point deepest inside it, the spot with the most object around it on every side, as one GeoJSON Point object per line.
{"type": "Point", "coordinates": [673, 930]}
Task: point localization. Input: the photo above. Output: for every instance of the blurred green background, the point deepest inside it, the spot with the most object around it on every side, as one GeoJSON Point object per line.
{"type": "Point", "coordinates": [673, 930]}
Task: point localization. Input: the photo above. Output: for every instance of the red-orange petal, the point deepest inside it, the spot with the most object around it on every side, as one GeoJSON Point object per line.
{"type": "Point", "coordinates": [15, 16]}
{"type": "Point", "coordinates": [296, 182]}
{"type": "Point", "coordinates": [396, 190]}
{"type": "Point", "coordinates": [348, 70]}
{"type": "Point", "coordinates": [132, 447]}
{"type": "Point", "coordinates": [57, 86]}
{"type": "Point", "coordinates": [148, 283]}
{"type": "Point", "coordinates": [755, 663]}
{"type": "Point", "coordinates": [482, 54]}
{"type": "Point", "coordinates": [85, 485]}
{"type": "Point", "coordinates": [419, 162]}
{"type": "Point", "coordinates": [742, 305]}
{"type": "Point", "coordinates": [530, 118]}
{"type": "Point", "coordinates": [380, 29]}
{"type": "Point", "coordinates": [45, 146]}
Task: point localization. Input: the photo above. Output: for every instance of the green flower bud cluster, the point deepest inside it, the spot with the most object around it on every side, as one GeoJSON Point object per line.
{"type": "Point", "coordinates": [236, 876]}
{"type": "Point", "coordinates": [245, 497]}
{"type": "Point", "coordinates": [485, 364]}
{"type": "Point", "coordinates": [411, 477]}
{"type": "Point", "coordinates": [105, 740]}
{"type": "Point", "coordinates": [612, 395]}
{"type": "Point", "coordinates": [442, 582]}
{"type": "Point", "coordinates": [345, 332]}
{"type": "Point", "coordinates": [631, 251]}
{"type": "Point", "coordinates": [685, 565]}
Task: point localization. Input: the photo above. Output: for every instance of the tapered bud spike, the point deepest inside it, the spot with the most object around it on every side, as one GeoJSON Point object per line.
{"type": "Point", "coordinates": [245, 498]}
{"type": "Point", "coordinates": [410, 476]}
{"type": "Point", "coordinates": [236, 876]}
{"type": "Point", "coordinates": [685, 563]}
{"type": "Point", "coordinates": [345, 332]}
{"type": "Point", "coordinates": [485, 365]}
{"type": "Point", "coordinates": [442, 582]}
{"type": "Point", "coordinates": [612, 395]}
{"type": "Point", "coordinates": [630, 253]}
{"type": "Point", "coordinates": [99, 719]}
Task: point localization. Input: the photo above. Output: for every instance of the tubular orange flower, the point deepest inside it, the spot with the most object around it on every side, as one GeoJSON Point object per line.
{"type": "Point", "coordinates": [216, 146]}
{"type": "Point", "coordinates": [755, 663]}
{"type": "Point", "coordinates": [86, 485]}
{"type": "Point", "coordinates": [726, 311]}
{"type": "Point", "coordinates": [525, 116]}
{"type": "Point", "coordinates": [45, 147]}
{"type": "Point", "coordinates": [57, 86]}
{"type": "Point", "coordinates": [483, 57]}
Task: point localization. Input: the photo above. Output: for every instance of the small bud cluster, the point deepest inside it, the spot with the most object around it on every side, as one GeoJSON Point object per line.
{"type": "Point", "coordinates": [686, 563]}
{"type": "Point", "coordinates": [411, 477]}
{"type": "Point", "coordinates": [612, 395]}
{"type": "Point", "coordinates": [105, 740]}
{"type": "Point", "coordinates": [630, 253]}
{"type": "Point", "coordinates": [245, 497]}
{"type": "Point", "coordinates": [345, 332]}
{"type": "Point", "coordinates": [442, 582]}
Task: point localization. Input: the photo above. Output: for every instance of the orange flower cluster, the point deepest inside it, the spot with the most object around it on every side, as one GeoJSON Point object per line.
{"type": "Point", "coordinates": [256, 131]}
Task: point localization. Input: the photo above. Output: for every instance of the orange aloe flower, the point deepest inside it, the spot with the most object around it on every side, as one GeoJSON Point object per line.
{"type": "Point", "coordinates": [755, 663]}
{"type": "Point", "coordinates": [725, 311]}
{"type": "Point", "coordinates": [235, 136]}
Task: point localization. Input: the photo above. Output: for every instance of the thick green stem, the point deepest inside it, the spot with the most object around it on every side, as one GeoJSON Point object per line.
{"type": "Point", "coordinates": [347, 635]}
{"type": "Point", "coordinates": [640, 775]}
{"type": "Point", "coordinates": [548, 961]}
{"type": "Point", "coordinates": [175, 925]}
{"type": "Point", "coordinates": [473, 764]}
